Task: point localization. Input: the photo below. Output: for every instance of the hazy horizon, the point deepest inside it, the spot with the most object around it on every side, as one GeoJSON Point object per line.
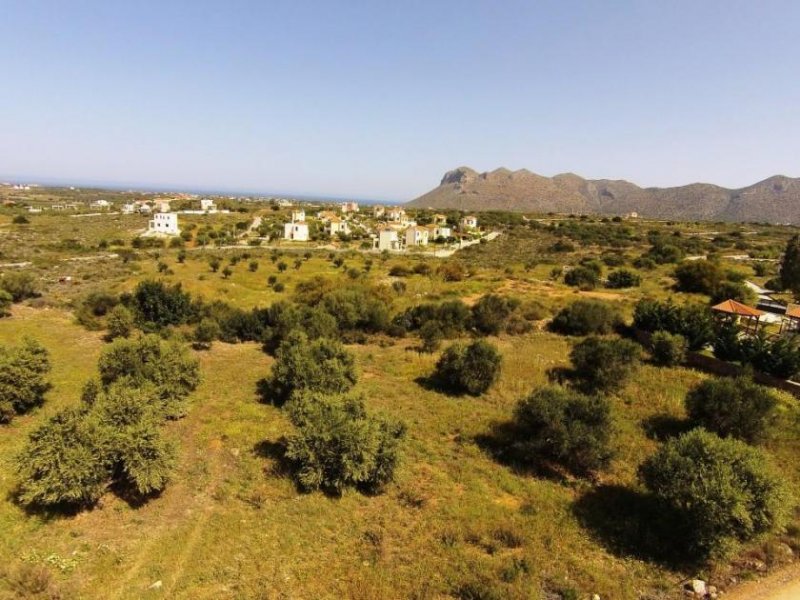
{"type": "Point", "coordinates": [378, 100]}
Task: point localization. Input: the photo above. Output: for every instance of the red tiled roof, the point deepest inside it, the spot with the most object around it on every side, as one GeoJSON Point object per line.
{"type": "Point", "coordinates": [732, 307]}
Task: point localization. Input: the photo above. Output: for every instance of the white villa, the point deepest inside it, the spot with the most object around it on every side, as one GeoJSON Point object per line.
{"type": "Point", "coordinates": [397, 215]}
{"type": "Point", "coordinates": [437, 231]}
{"type": "Point", "coordinates": [469, 222]}
{"type": "Point", "coordinates": [349, 207]}
{"type": "Point", "coordinates": [388, 239]}
{"type": "Point", "coordinates": [416, 236]}
{"type": "Point", "coordinates": [439, 219]}
{"type": "Point", "coordinates": [378, 211]}
{"type": "Point", "coordinates": [326, 215]}
{"type": "Point", "coordinates": [336, 225]}
{"type": "Point", "coordinates": [298, 215]}
{"type": "Point", "coordinates": [296, 231]}
{"type": "Point", "coordinates": [207, 205]}
{"type": "Point", "coordinates": [100, 204]}
{"type": "Point", "coordinates": [164, 223]}
{"type": "Point", "coordinates": [145, 209]}
{"type": "Point", "coordinates": [128, 209]}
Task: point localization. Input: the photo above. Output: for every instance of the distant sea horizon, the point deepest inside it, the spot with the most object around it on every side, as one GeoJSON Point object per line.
{"type": "Point", "coordinates": [150, 188]}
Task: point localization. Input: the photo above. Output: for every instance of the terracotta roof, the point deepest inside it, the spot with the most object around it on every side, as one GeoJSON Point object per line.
{"type": "Point", "coordinates": [793, 310]}
{"type": "Point", "coordinates": [732, 307]}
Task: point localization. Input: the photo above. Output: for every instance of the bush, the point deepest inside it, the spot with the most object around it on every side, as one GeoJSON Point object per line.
{"type": "Point", "coordinates": [19, 285]}
{"type": "Point", "coordinates": [693, 321]}
{"type": "Point", "coordinates": [5, 303]}
{"type": "Point", "coordinates": [452, 271]}
{"type": "Point", "coordinates": [582, 277]}
{"type": "Point", "coordinates": [491, 312]}
{"type": "Point", "coordinates": [779, 357]}
{"type": "Point", "coordinates": [736, 408]}
{"type": "Point", "coordinates": [322, 365]}
{"type": "Point", "coordinates": [722, 489]}
{"type": "Point", "coordinates": [205, 333]}
{"type": "Point", "coordinates": [431, 335]}
{"type": "Point", "coordinates": [120, 323]}
{"type": "Point", "coordinates": [338, 444]}
{"type": "Point", "coordinates": [22, 378]}
{"type": "Point", "coordinates": [731, 290]}
{"type": "Point", "coordinates": [157, 305]}
{"type": "Point", "coordinates": [668, 349]}
{"type": "Point", "coordinates": [400, 271]}
{"type": "Point", "coordinates": [586, 316]}
{"type": "Point", "coordinates": [623, 279]}
{"type": "Point", "coordinates": [166, 365]}
{"type": "Point", "coordinates": [63, 464]}
{"type": "Point", "coordinates": [698, 276]}
{"type": "Point", "coordinates": [603, 364]}
{"type": "Point", "coordinates": [468, 369]}
{"type": "Point", "coordinates": [564, 426]}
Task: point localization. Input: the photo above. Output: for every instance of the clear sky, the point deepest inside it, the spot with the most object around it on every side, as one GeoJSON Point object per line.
{"type": "Point", "coordinates": [377, 99]}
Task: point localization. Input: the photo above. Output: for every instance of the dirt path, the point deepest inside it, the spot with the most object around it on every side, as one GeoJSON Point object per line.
{"type": "Point", "coordinates": [781, 585]}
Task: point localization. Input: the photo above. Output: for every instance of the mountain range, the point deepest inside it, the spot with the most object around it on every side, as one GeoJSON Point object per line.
{"type": "Point", "coordinates": [774, 200]}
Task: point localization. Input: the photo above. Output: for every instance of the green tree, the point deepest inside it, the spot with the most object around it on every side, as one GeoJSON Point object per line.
{"type": "Point", "coordinates": [736, 408]}
{"type": "Point", "coordinates": [322, 365]}
{"type": "Point", "coordinates": [19, 284]}
{"type": "Point", "coordinates": [63, 463]}
{"type": "Point", "coordinates": [602, 364]}
{"type": "Point", "coordinates": [564, 426]}
{"type": "Point", "coordinates": [205, 333]}
{"type": "Point", "coordinates": [214, 262]}
{"type": "Point", "coordinates": [167, 365]}
{"type": "Point", "coordinates": [790, 265]}
{"type": "Point", "coordinates": [23, 382]}
{"type": "Point", "coordinates": [471, 369]}
{"type": "Point", "coordinates": [158, 305]}
{"type": "Point", "coordinates": [585, 317]}
{"type": "Point", "coordinates": [491, 312]}
{"type": "Point", "coordinates": [668, 349]}
{"type": "Point", "coordinates": [339, 444]}
{"type": "Point", "coordinates": [723, 491]}
{"type": "Point", "coordinates": [5, 303]}
{"type": "Point", "coordinates": [120, 323]}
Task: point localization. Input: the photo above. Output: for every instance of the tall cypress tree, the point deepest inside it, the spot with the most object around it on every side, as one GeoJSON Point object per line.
{"type": "Point", "coordinates": [790, 267]}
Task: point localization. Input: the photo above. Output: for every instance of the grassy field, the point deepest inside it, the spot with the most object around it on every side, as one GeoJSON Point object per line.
{"type": "Point", "coordinates": [233, 525]}
{"type": "Point", "coordinates": [456, 522]}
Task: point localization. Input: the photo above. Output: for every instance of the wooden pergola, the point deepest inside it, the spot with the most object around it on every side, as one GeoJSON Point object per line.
{"type": "Point", "coordinates": [747, 316]}
{"type": "Point", "coordinates": [791, 320]}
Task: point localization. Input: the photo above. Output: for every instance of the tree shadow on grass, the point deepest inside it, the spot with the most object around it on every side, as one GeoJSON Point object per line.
{"type": "Point", "coordinates": [663, 427]}
{"type": "Point", "coordinates": [500, 443]}
{"type": "Point", "coordinates": [432, 384]}
{"type": "Point", "coordinates": [275, 451]}
{"type": "Point", "coordinates": [630, 523]}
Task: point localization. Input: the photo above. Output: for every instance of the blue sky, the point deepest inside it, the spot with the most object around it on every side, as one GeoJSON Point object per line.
{"type": "Point", "coordinates": [374, 99]}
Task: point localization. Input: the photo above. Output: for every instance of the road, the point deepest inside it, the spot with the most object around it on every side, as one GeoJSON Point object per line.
{"type": "Point", "coordinates": [781, 585]}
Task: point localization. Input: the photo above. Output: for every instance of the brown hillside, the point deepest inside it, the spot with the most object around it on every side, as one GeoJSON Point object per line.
{"type": "Point", "coordinates": [774, 200]}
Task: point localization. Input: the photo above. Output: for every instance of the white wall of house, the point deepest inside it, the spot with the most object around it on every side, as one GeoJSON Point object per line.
{"type": "Point", "coordinates": [164, 223]}
{"type": "Point", "coordinates": [296, 232]}
{"type": "Point", "coordinates": [388, 240]}
{"type": "Point", "coordinates": [416, 236]}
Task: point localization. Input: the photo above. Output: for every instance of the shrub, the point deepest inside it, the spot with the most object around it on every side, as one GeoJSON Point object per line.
{"type": "Point", "coordinates": [321, 365]}
{"type": "Point", "coordinates": [623, 279]}
{"type": "Point", "coordinates": [603, 364]}
{"type": "Point", "coordinates": [23, 381]}
{"type": "Point", "coordinates": [205, 333]}
{"type": "Point", "coordinates": [20, 285]}
{"type": "Point", "coordinates": [722, 489]}
{"type": "Point", "coordinates": [167, 365]}
{"type": "Point", "coordinates": [668, 349]}
{"type": "Point", "coordinates": [120, 323]}
{"type": "Point", "coordinates": [790, 265]}
{"type": "Point", "coordinates": [731, 290]}
{"type": "Point", "coordinates": [400, 271]}
{"type": "Point", "coordinates": [693, 321]}
{"type": "Point", "coordinates": [20, 220]}
{"type": "Point", "coordinates": [582, 277]}
{"type": "Point", "coordinates": [452, 271]}
{"type": "Point", "coordinates": [698, 276]}
{"type": "Point", "coordinates": [468, 369]}
{"type": "Point", "coordinates": [779, 357]}
{"type": "Point", "coordinates": [726, 341]}
{"type": "Point", "coordinates": [338, 444]}
{"type": "Point", "coordinates": [214, 263]}
{"type": "Point", "coordinates": [491, 312]}
{"type": "Point", "coordinates": [62, 463]}
{"type": "Point", "coordinates": [564, 426]}
{"type": "Point", "coordinates": [5, 303]}
{"type": "Point", "coordinates": [586, 316]}
{"type": "Point", "coordinates": [431, 335]}
{"type": "Point", "coordinates": [736, 408]}
{"type": "Point", "coordinates": [158, 305]}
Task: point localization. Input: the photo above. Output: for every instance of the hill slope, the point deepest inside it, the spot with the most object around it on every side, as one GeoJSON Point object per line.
{"type": "Point", "coordinates": [774, 200]}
